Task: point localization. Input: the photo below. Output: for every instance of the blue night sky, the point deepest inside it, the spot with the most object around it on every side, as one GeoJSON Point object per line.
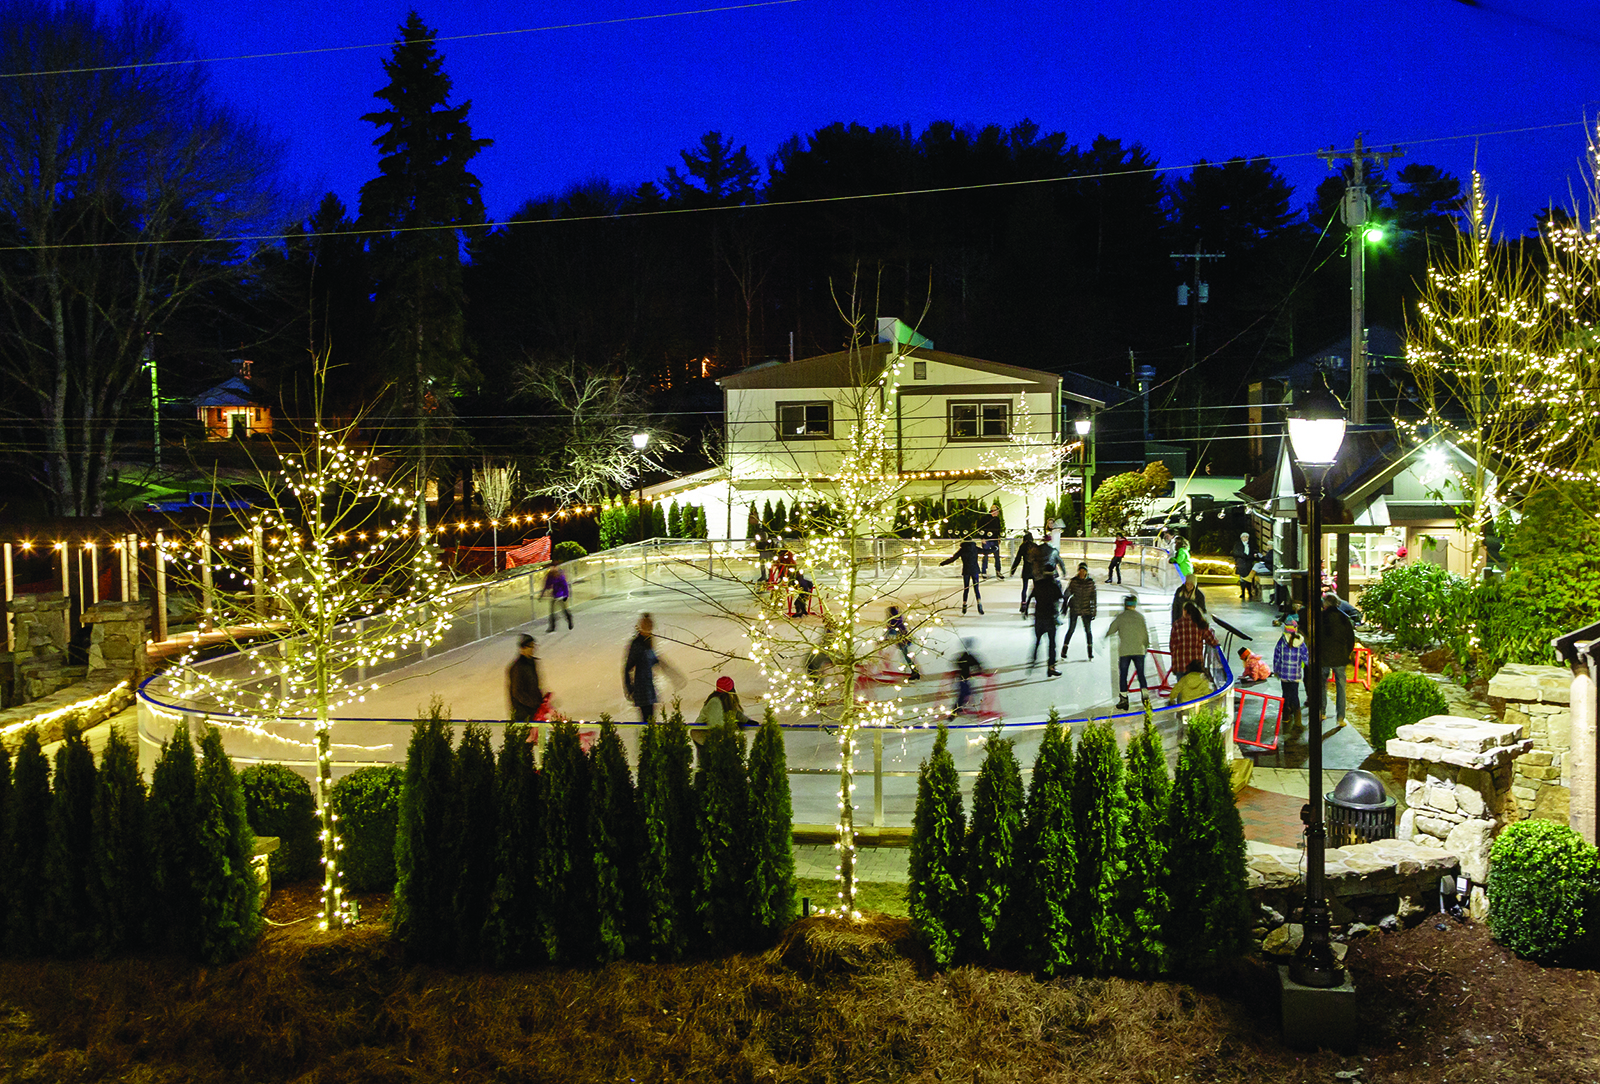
{"type": "Point", "coordinates": [1212, 80]}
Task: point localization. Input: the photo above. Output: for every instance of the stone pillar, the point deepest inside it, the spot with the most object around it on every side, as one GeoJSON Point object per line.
{"type": "Point", "coordinates": [1538, 699]}
{"type": "Point", "coordinates": [40, 656]}
{"type": "Point", "coordinates": [1459, 789]}
{"type": "Point", "coordinates": [117, 636]}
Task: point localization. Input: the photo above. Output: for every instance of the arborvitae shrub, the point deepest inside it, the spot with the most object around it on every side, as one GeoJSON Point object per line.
{"type": "Point", "coordinates": [68, 849]}
{"type": "Point", "coordinates": [674, 521]}
{"type": "Point", "coordinates": [119, 888]}
{"type": "Point", "coordinates": [1206, 879]}
{"type": "Point", "coordinates": [425, 868]}
{"type": "Point", "coordinates": [771, 827]}
{"type": "Point", "coordinates": [767, 521]}
{"type": "Point", "coordinates": [1099, 816]}
{"type": "Point", "coordinates": [615, 836]}
{"type": "Point", "coordinates": [658, 521]}
{"type": "Point", "coordinates": [994, 847]}
{"type": "Point", "coordinates": [367, 803]}
{"type": "Point", "coordinates": [26, 931]}
{"type": "Point", "coordinates": [1401, 698]}
{"type": "Point", "coordinates": [512, 935]}
{"type": "Point", "coordinates": [752, 523]}
{"type": "Point", "coordinates": [1049, 514]}
{"type": "Point", "coordinates": [1144, 895]}
{"type": "Point", "coordinates": [474, 831]}
{"type": "Point", "coordinates": [722, 860]}
{"type": "Point", "coordinates": [176, 823]}
{"type": "Point", "coordinates": [224, 877]}
{"type": "Point", "coordinates": [937, 894]}
{"type": "Point", "coordinates": [667, 811]}
{"type": "Point", "coordinates": [1051, 871]}
{"type": "Point", "coordinates": [278, 801]}
{"type": "Point", "coordinates": [567, 882]}
{"type": "Point", "coordinates": [568, 551]}
{"type": "Point", "coordinates": [1544, 890]}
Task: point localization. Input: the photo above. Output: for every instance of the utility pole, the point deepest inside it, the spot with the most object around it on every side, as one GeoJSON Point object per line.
{"type": "Point", "coordinates": [155, 393]}
{"type": "Point", "coordinates": [1199, 295]}
{"type": "Point", "coordinates": [1357, 206]}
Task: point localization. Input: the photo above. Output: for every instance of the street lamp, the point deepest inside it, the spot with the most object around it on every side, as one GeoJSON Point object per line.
{"type": "Point", "coordinates": [1083, 424]}
{"type": "Point", "coordinates": [1316, 429]}
{"type": "Point", "coordinates": [639, 442]}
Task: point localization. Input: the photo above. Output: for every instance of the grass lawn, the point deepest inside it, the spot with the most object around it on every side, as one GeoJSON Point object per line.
{"type": "Point", "coordinates": [881, 896]}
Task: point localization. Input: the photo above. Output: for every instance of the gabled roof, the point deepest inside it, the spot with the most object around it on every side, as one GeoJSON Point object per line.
{"type": "Point", "coordinates": [1386, 349]}
{"type": "Point", "coordinates": [853, 368]}
{"type": "Point", "coordinates": [234, 391]}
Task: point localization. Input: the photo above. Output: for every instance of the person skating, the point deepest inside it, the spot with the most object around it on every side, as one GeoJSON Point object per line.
{"type": "Point", "coordinates": [991, 541]}
{"type": "Point", "coordinates": [638, 669]}
{"type": "Point", "coordinates": [1117, 554]}
{"type": "Point", "coordinates": [722, 708]}
{"type": "Point", "coordinates": [897, 634]}
{"type": "Point", "coordinates": [967, 667]}
{"type": "Point", "coordinates": [1046, 606]}
{"type": "Point", "coordinates": [1184, 560]}
{"type": "Point", "coordinates": [556, 586]}
{"type": "Point", "coordinates": [967, 554]}
{"type": "Point", "coordinates": [1133, 636]}
{"type": "Point", "coordinates": [1289, 661]}
{"type": "Point", "coordinates": [1024, 560]}
{"type": "Point", "coordinates": [1083, 602]}
{"type": "Point", "coordinates": [522, 681]}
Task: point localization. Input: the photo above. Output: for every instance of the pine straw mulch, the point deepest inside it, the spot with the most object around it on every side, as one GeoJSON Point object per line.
{"type": "Point", "coordinates": [830, 1003]}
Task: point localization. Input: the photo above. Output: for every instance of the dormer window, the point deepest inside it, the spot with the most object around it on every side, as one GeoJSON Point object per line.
{"type": "Point", "coordinates": [980, 419]}
{"type": "Point", "coordinates": [805, 421]}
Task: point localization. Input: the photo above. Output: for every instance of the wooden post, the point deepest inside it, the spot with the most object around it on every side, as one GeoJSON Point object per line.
{"type": "Point", "coordinates": [133, 567]}
{"type": "Point", "coordinates": [66, 578]}
{"type": "Point", "coordinates": [258, 572]}
{"type": "Point", "coordinates": [206, 624]}
{"type": "Point", "coordinates": [161, 588]}
{"type": "Point", "coordinates": [94, 571]}
{"type": "Point", "coordinates": [11, 635]}
{"type": "Point", "coordinates": [122, 566]}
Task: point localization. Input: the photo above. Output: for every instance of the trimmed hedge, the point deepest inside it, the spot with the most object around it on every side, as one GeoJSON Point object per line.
{"type": "Point", "coordinates": [1401, 699]}
{"type": "Point", "coordinates": [567, 551]}
{"type": "Point", "coordinates": [367, 803]}
{"type": "Point", "coordinates": [1544, 890]}
{"type": "Point", "coordinates": [278, 802]}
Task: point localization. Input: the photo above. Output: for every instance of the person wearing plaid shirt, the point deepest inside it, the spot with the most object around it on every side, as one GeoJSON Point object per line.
{"type": "Point", "coordinates": [1190, 635]}
{"type": "Point", "coordinates": [1289, 662]}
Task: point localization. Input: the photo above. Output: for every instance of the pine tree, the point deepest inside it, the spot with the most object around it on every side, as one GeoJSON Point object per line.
{"type": "Point", "coordinates": [424, 862]}
{"type": "Point", "coordinates": [675, 522]}
{"type": "Point", "coordinates": [474, 831]}
{"type": "Point", "coordinates": [1099, 816]}
{"type": "Point", "coordinates": [68, 859]}
{"type": "Point", "coordinates": [722, 860]}
{"type": "Point", "coordinates": [938, 828]}
{"type": "Point", "coordinates": [1205, 860]}
{"type": "Point", "coordinates": [511, 935]}
{"type": "Point", "coordinates": [666, 808]}
{"type": "Point", "coordinates": [994, 847]}
{"type": "Point", "coordinates": [26, 932]}
{"type": "Point", "coordinates": [1051, 874]}
{"type": "Point", "coordinates": [567, 881]}
{"type": "Point", "coordinates": [780, 519]}
{"type": "Point", "coordinates": [658, 520]}
{"type": "Point", "coordinates": [224, 877]}
{"type": "Point", "coordinates": [615, 840]}
{"type": "Point", "coordinates": [176, 824]}
{"type": "Point", "coordinates": [768, 524]}
{"type": "Point", "coordinates": [119, 885]}
{"type": "Point", "coordinates": [771, 832]}
{"type": "Point", "coordinates": [1144, 896]}
{"type": "Point", "coordinates": [752, 523]}
{"type": "Point", "coordinates": [701, 528]}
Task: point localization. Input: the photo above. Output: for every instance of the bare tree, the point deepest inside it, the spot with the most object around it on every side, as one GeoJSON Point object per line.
{"type": "Point", "coordinates": [496, 484]}
{"type": "Point", "coordinates": [1027, 461]}
{"type": "Point", "coordinates": [121, 181]}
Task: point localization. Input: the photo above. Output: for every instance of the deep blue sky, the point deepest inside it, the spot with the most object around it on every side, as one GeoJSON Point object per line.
{"type": "Point", "coordinates": [1192, 80]}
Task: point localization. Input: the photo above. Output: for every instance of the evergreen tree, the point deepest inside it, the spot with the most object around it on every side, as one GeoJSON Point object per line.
{"type": "Point", "coordinates": [423, 188]}
{"type": "Point", "coordinates": [511, 935]}
{"type": "Point", "coordinates": [722, 860]}
{"type": "Point", "coordinates": [675, 522]}
{"type": "Point", "coordinates": [667, 800]}
{"type": "Point", "coordinates": [1099, 815]}
{"type": "Point", "coordinates": [67, 865]}
{"type": "Point", "coordinates": [29, 823]}
{"type": "Point", "coordinates": [119, 885]}
{"type": "Point", "coordinates": [771, 832]}
{"type": "Point", "coordinates": [1051, 873]}
{"type": "Point", "coordinates": [630, 526]}
{"type": "Point", "coordinates": [768, 524]}
{"type": "Point", "coordinates": [1144, 895]}
{"type": "Point", "coordinates": [175, 826]}
{"type": "Point", "coordinates": [1205, 860]}
{"type": "Point", "coordinates": [615, 838]}
{"type": "Point", "coordinates": [780, 519]}
{"type": "Point", "coordinates": [994, 847]}
{"type": "Point", "coordinates": [424, 862]}
{"type": "Point", "coordinates": [224, 876]}
{"type": "Point", "coordinates": [474, 831]}
{"type": "Point", "coordinates": [752, 523]}
{"type": "Point", "coordinates": [6, 859]}
{"type": "Point", "coordinates": [938, 829]}
{"type": "Point", "coordinates": [658, 520]}
{"type": "Point", "coordinates": [567, 884]}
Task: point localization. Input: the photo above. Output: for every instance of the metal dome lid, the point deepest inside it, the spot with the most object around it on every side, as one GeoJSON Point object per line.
{"type": "Point", "coordinates": [1361, 790]}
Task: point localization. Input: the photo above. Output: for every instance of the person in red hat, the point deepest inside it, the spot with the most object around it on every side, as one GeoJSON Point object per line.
{"type": "Point", "coordinates": [722, 706]}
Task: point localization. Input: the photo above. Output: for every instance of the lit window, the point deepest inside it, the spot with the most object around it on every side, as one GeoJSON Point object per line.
{"type": "Point", "coordinates": [980, 421]}
{"type": "Point", "coordinates": [805, 421]}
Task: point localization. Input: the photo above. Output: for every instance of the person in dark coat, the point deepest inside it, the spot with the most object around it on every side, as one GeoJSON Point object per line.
{"type": "Point", "coordinates": [1336, 642]}
{"type": "Point", "coordinates": [1024, 560]}
{"type": "Point", "coordinates": [1046, 605]}
{"type": "Point", "coordinates": [1184, 596]}
{"type": "Point", "coordinates": [967, 554]}
{"type": "Point", "coordinates": [991, 541]}
{"type": "Point", "coordinates": [968, 666]}
{"type": "Point", "coordinates": [1083, 602]}
{"type": "Point", "coordinates": [556, 586]}
{"type": "Point", "coordinates": [522, 681]}
{"type": "Point", "coordinates": [1244, 560]}
{"type": "Point", "coordinates": [638, 669]}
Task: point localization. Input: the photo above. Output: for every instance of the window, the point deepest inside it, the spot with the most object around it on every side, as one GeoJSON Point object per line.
{"type": "Point", "coordinates": [981, 420]}
{"type": "Point", "coordinates": [919, 370]}
{"type": "Point", "coordinates": [805, 421]}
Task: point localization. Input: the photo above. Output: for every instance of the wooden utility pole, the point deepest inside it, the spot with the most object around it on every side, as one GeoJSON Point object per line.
{"type": "Point", "coordinates": [1357, 206]}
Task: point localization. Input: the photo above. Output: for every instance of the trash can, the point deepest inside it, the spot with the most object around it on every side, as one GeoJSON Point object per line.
{"type": "Point", "coordinates": [1359, 810]}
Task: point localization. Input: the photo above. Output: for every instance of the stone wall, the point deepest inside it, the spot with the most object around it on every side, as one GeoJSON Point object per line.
{"type": "Point", "coordinates": [118, 632]}
{"type": "Point", "coordinates": [61, 696]}
{"type": "Point", "coordinates": [1538, 699]}
{"type": "Point", "coordinates": [39, 660]}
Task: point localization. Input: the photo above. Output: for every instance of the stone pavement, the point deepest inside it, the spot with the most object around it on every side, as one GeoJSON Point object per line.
{"type": "Point", "coordinates": [889, 864]}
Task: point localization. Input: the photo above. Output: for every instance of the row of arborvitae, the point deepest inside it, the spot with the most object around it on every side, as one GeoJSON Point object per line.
{"type": "Point", "coordinates": [1104, 867]}
{"type": "Point", "coordinates": [619, 524]}
{"type": "Point", "coordinates": [503, 864]}
{"type": "Point", "coordinates": [91, 864]}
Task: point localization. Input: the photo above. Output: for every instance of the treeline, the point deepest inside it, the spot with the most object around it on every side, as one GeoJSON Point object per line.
{"type": "Point", "coordinates": [1104, 866]}
{"type": "Point", "coordinates": [574, 862]}
{"type": "Point", "coordinates": [619, 524]}
{"type": "Point", "coordinates": [92, 864]}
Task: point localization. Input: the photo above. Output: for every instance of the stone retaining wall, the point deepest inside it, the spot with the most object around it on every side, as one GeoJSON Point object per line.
{"type": "Point", "coordinates": [1539, 700]}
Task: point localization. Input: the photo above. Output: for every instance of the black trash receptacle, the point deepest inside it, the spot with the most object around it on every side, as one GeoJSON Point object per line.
{"type": "Point", "coordinates": [1359, 810]}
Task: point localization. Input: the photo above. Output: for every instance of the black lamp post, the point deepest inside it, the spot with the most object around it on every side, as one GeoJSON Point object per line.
{"type": "Point", "coordinates": [1083, 425]}
{"type": "Point", "coordinates": [640, 440]}
{"type": "Point", "coordinates": [1316, 429]}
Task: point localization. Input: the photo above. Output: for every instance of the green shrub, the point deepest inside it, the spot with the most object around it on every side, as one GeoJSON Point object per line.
{"type": "Point", "coordinates": [667, 807]}
{"type": "Point", "coordinates": [567, 884]}
{"type": "Point", "coordinates": [24, 858]}
{"type": "Point", "coordinates": [68, 860]}
{"type": "Point", "coordinates": [1552, 584]}
{"type": "Point", "coordinates": [1420, 604]}
{"type": "Point", "coordinates": [993, 847]}
{"type": "Point", "coordinates": [569, 551]}
{"type": "Point", "coordinates": [473, 829]}
{"type": "Point", "coordinates": [938, 827]}
{"type": "Point", "coordinates": [1544, 880]}
{"type": "Point", "coordinates": [1099, 821]}
{"type": "Point", "coordinates": [512, 936]}
{"type": "Point", "coordinates": [278, 802]}
{"type": "Point", "coordinates": [367, 803]}
{"type": "Point", "coordinates": [175, 824]}
{"type": "Point", "coordinates": [425, 869]}
{"type": "Point", "coordinates": [1206, 879]}
{"type": "Point", "coordinates": [1049, 873]}
{"type": "Point", "coordinates": [120, 888]}
{"type": "Point", "coordinates": [1143, 890]}
{"type": "Point", "coordinates": [224, 876]}
{"type": "Point", "coordinates": [615, 834]}
{"type": "Point", "coordinates": [771, 846]}
{"type": "Point", "coordinates": [1400, 699]}
{"type": "Point", "coordinates": [722, 859]}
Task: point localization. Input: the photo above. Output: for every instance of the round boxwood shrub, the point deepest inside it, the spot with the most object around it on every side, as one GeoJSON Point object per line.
{"type": "Point", "coordinates": [367, 803]}
{"type": "Point", "coordinates": [567, 551]}
{"type": "Point", "coordinates": [278, 802]}
{"type": "Point", "coordinates": [1543, 882]}
{"type": "Point", "coordinates": [1400, 699]}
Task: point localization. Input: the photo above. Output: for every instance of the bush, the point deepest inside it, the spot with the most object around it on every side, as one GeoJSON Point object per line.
{"type": "Point", "coordinates": [1144, 893]}
{"type": "Point", "coordinates": [1400, 699]}
{"type": "Point", "coordinates": [1544, 880]}
{"type": "Point", "coordinates": [771, 843]}
{"type": "Point", "coordinates": [120, 887]}
{"type": "Point", "coordinates": [278, 802]}
{"type": "Point", "coordinates": [667, 807]}
{"type": "Point", "coordinates": [1553, 582]}
{"type": "Point", "coordinates": [224, 876]}
{"type": "Point", "coordinates": [1099, 819]}
{"type": "Point", "coordinates": [1206, 879]}
{"type": "Point", "coordinates": [367, 803]}
{"type": "Point", "coordinates": [423, 863]}
{"type": "Point", "coordinates": [722, 859]}
{"type": "Point", "coordinates": [568, 551]}
{"type": "Point", "coordinates": [1419, 604]}
{"type": "Point", "coordinates": [993, 847]}
{"type": "Point", "coordinates": [1050, 857]}
{"type": "Point", "coordinates": [1118, 504]}
{"type": "Point", "coordinates": [936, 895]}
{"type": "Point", "coordinates": [69, 917]}
{"type": "Point", "coordinates": [24, 858]}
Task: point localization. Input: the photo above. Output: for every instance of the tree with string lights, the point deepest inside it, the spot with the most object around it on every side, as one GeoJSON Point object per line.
{"type": "Point", "coordinates": [332, 556]}
{"type": "Point", "coordinates": [1029, 462]}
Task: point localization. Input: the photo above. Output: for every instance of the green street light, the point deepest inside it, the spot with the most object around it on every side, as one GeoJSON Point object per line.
{"type": "Point", "coordinates": [1373, 234]}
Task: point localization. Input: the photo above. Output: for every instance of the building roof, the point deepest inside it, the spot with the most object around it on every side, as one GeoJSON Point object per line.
{"type": "Point", "coordinates": [1386, 350]}
{"type": "Point", "coordinates": [853, 368]}
{"type": "Point", "coordinates": [234, 391]}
